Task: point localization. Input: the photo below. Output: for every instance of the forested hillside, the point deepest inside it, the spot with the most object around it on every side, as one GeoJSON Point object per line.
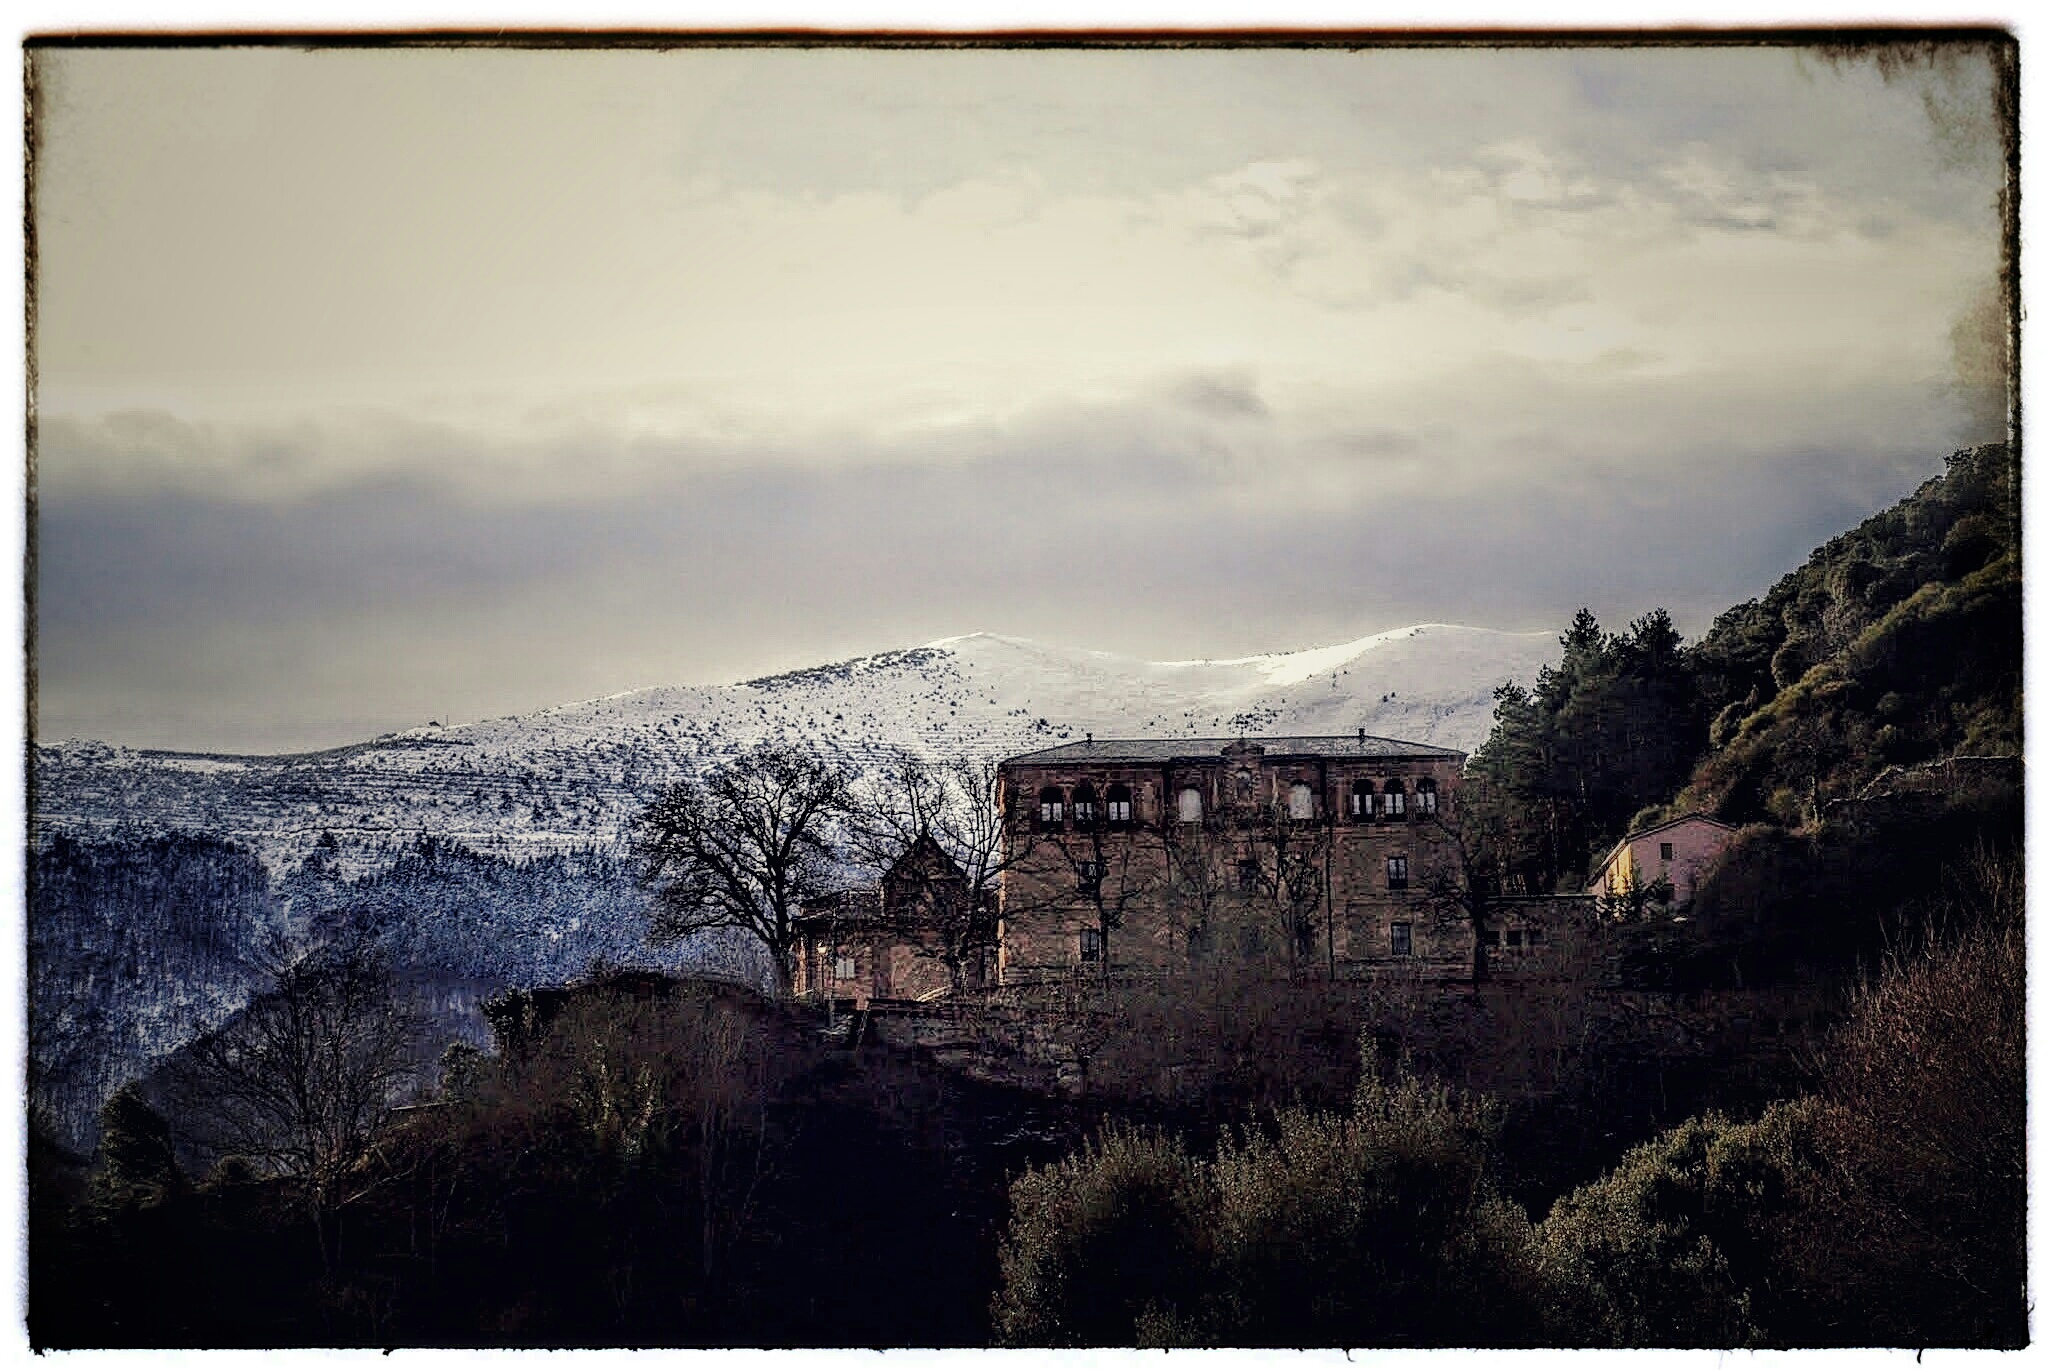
{"type": "Point", "coordinates": [141, 942]}
{"type": "Point", "coordinates": [1895, 644]}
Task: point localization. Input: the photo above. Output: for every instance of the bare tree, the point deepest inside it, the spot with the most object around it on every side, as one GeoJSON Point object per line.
{"type": "Point", "coordinates": [1467, 877]}
{"type": "Point", "coordinates": [958, 806]}
{"type": "Point", "coordinates": [743, 848]}
{"type": "Point", "coordinates": [303, 1078]}
{"type": "Point", "coordinates": [1196, 888]}
{"type": "Point", "coordinates": [1285, 863]}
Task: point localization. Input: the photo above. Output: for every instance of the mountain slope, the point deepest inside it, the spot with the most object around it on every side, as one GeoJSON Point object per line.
{"type": "Point", "coordinates": [571, 776]}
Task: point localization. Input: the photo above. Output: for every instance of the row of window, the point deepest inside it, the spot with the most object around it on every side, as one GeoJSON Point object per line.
{"type": "Point", "coordinates": [1052, 806]}
{"type": "Point", "coordinates": [1366, 803]}
{"type": "Point", "coordinates": [1400, 940]}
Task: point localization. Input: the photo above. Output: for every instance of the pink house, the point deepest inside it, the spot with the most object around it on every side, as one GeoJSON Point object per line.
{"type": "Point", "coordinates": [1679, 851]}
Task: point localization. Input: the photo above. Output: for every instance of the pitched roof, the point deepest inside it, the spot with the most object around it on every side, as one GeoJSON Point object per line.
{"type": "Point", "coordinates": [1209, 749]}
{"type": "Point", "coordinates": [1628, 838]}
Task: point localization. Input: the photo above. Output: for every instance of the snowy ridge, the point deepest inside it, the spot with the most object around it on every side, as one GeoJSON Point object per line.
{"type": "Point", "coordinates": [572, 775]}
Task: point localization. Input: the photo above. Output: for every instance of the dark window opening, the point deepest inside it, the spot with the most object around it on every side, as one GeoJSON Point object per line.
{"type": "Point", "coordinates": [1084, 805]}
{"type": "Point", "coordinates": [1091, 878]}
{"type": "Point", "coordinates": [1361, 800]}
{"type": "Point", "coordinates": [1425, 797]}
{"type": "Point", "coordinates": [1401, 940]}
{"type": "Point", "coordinates": [1120, 806]}
{"type": "Point", "coordinates": [1091, 945]}
{"type": "Point", "coordinates": [1052, 807]}
{"type": "Point", "coordinates": [1248, 875]}
{"type": "Point", "coordinates": [1664, 851]}
{"type": "Point", "coordinates": [1397, 873]}
{"type": "Point", "coordinates": [1514, 937]}
{"type": "Point", "coordinates": [1395, 802]}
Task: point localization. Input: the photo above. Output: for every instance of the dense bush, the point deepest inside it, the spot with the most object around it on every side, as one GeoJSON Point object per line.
{"type": "Point", "coordinates": [1378, 1226]}
{"type": "Point", "coordinates": [1107, 1247]}
{"type": "Point", "coordinates": [1681, 1244]}
{"type": "Point", "coordinates": [1921, 1235]}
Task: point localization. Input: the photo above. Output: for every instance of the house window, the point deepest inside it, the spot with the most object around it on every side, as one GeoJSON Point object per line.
{"type": "Point", "coordinates": [1395, 801]}
{"type": "Point", "coordinates": [1361, 799]}
{"type": "Point", "coordinates": [1301, 801]}
{"type": "Point", "coordinates": [1248, 875]}
{"type": "Point", "coordinates": [1245, 785]}
{"type": "Point", "coordinates": [1533, 936]}
{"type": "Point", "coordinates": [1397, 873]}
{"type": "Point", "coordinates": [842, 968]}
{"type": "Point", "coordinates": [1091, 945]}
{"type": "Point", "coordinates": [1492, 938]}
{"type": "Point", "coordinates": [1190, 806]}
{"type": "Point", "coordinates": [1401, 939]}
{"type": "Point", "coordinates": [1514, 937]}
{"type": "Point", "coordinates": [1052, 807]}
{"type": "Point", "coordinates": [1664, 851]}
{"type": "Point", "coordinates": [1091, 878]}
{"type": "Point", "coordinates": [1425, 797]}
{"type": "Point", "coordinates": [1120, 805]}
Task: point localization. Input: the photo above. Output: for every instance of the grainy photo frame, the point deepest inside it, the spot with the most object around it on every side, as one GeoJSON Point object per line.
{"type": "Point", "coordinates": [804, 689]}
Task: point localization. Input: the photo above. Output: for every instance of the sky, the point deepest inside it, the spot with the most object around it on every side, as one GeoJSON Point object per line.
{"type": "Point", "coordinates": [376, 387]}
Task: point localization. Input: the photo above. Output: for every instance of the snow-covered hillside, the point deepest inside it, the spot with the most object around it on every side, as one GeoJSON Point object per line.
{"type": "Point", "coordinates": [570, 776]}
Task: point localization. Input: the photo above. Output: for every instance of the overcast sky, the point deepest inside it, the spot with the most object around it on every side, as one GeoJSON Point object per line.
{"type": "Point", "coordinates": [377, 387]}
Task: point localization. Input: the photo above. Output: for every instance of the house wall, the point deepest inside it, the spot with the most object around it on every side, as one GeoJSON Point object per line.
{"type": "Point", "coordinates": [1696, 844]}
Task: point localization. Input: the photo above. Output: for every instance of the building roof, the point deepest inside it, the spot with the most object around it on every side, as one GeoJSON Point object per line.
{"type": "Point", "coordinates": [1628, 838]}
{"type": "Point", "coordinates": [1210, 749]}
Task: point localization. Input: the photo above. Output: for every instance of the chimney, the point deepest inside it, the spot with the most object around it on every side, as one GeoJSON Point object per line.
{"type": "Point", "coordinates": [1361, 735]}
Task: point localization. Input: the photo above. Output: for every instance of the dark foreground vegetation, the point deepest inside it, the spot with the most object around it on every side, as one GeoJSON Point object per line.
{"type": "Point", "coordinates": [646, 1161]}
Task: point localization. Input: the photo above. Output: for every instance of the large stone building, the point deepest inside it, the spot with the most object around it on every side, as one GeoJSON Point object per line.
{"type": "Point", "coordinates": [1336, 854]}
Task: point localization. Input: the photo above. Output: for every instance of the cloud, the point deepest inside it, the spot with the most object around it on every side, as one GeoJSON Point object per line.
{"type": "Point", "coordinates": [520, 376]}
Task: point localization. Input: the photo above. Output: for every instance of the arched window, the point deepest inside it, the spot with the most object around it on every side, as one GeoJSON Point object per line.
{"type": "Point", "coordinates": [1119, 806]}
{"type": "Point", "coordinates": [1425, 796]}
{"type": "Point", "coordinates": [1361, 799]}
{"type": "Point", "coordinates": [1052, 807]}
{"type": "Point", "coordinates": [1189, 804]}
{"type": "Point", "coordinates": [1301, 801]}
{"type": "Point", "coordinates": [1084, 805]}
{"type": "Point", "coordinates": [1394, 802]}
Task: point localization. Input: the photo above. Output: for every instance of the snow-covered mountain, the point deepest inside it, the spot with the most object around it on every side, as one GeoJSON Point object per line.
{"type": "Point", "coordinates": [570, 776]}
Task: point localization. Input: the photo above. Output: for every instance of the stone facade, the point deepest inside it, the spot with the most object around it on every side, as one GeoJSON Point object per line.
{"type": "Point", "coordinates": [882, 942]}
{"type": "Point", "coordinates": [1330, 854]}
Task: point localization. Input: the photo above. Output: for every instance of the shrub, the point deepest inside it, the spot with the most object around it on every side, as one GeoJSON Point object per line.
{"type": "Point", "coordinates": [1922, 1236]}
{"type": "Point", "coordinates": [1681, 1244]}
{"type": "Point", "coordinates": [1106, 1246]}
{"type": "Point", "coordinates": [1376, 1227]}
